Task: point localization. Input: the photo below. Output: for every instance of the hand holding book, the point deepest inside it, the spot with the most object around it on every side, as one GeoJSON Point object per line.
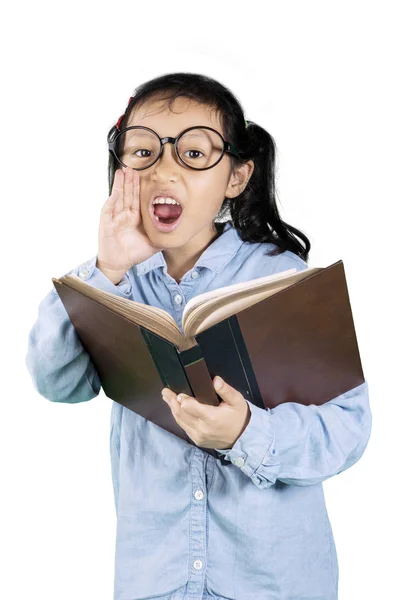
{"type": "Point", "coordinates": [211, 426]}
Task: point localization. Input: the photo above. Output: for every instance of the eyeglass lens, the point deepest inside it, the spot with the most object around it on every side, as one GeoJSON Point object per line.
{"type": "Point", "coordinates": [198, 148]}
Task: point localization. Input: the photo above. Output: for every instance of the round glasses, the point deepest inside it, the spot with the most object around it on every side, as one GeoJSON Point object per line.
{"type": "Point", "coordinates": [198, 148]}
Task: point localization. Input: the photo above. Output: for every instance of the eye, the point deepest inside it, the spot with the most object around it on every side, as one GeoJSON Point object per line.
{"type": "Point", "coordinates": [198, 151]}
{"type": "Point", "coordinates": [143, 150]}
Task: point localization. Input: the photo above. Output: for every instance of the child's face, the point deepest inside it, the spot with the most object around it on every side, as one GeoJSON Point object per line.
{"type": "Point", "coordinates": [200, 193]}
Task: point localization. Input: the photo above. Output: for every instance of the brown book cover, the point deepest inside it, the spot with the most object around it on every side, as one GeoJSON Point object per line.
{"type": "Point", "coordinates": [298, 344]}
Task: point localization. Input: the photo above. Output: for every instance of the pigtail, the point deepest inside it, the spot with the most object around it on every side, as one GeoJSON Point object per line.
{"type": "Point", "coordinates": [254, 213]}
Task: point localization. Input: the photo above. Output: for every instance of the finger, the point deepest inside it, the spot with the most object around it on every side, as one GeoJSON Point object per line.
{"type": "Point", "coordinates": [195, 409]}
{"type": "Point", "coordinates": [135, 204]}
{"type": "Point", "coordinates": [109, 205]}
{"type": "Point", "coordinates": [188, 409]}
{"type": "Point", "coordinates": [184, 421]}
{"type": "Point", "coordinates": [128, 188]}
{"type": "Point", "coordinates": [119, 186]}
{"type": "Point", "coordinates": [175, 407]}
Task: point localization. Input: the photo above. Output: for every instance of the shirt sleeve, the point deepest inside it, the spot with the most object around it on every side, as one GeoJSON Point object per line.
{"type": "Point", "coordinates": [298, 444]}
{"type": "Point", "coordinates": [91, 275]}
{"type": "Point", "coordinates": [303, 445]}
{"type": "Point", "coordinates": [59, 366]}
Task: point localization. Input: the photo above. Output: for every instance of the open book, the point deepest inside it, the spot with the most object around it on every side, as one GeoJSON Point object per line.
{"type": "Point", "coordinates": [200, 313]}
{"type": "Point", "coordinates": [279, 338]}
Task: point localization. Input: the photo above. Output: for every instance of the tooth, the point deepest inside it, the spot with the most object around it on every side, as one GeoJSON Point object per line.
{"type": "Point", "coordinates": [165, 200]}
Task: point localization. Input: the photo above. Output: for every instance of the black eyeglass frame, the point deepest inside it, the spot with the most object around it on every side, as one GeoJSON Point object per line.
{"type": "Point", "coordinates": [112, 139]}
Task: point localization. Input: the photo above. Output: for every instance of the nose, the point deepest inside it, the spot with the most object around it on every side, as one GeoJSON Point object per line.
{"type": "Point", "coordinates": [168, 160]}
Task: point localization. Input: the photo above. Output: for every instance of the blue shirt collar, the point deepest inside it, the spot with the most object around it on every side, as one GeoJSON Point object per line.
{"type": "Point", "coordinates": [214, 257]}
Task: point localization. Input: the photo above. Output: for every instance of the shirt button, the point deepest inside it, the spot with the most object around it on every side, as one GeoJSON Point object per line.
{"type": "Point", "coordinates": [83, 274]}
{"type": "Point", "coordinates": [239, 462]}
{"type": "Point", "coordinates": [199, 495]}
{"type": "Point", "coordinates": [178, 298]}
{"type": "Point", "coordinates": [198, 565]}
{"type": "Point", "coordinates": [195, 274]}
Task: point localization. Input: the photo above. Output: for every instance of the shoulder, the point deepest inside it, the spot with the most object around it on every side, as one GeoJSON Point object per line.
{"type": "Point", "coordinates": [256, 259]}
{"type": "Point", "coordinates": [261, 253]}
{"type": "Point", "coordinates": [285, 260]}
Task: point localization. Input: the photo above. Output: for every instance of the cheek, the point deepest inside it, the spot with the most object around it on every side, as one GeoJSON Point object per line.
{"type": "Point", "coordinates": [208, 193]}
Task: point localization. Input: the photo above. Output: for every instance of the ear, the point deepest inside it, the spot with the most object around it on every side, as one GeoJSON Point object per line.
{"type": "Point", "coordinates": [239, 179]}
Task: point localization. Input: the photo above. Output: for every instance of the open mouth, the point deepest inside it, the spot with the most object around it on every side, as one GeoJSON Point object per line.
{"type": "Point", "coordinates": [166, 217]}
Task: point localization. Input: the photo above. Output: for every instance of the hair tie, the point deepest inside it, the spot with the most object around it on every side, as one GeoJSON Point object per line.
{"type": "Point", "coordinates": [118, 123]}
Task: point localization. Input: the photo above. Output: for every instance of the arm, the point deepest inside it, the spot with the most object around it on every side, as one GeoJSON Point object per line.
{"type": "Point", "coordinates": [303, 445]}
{"type": "Point", "coordinates": [59, 366]}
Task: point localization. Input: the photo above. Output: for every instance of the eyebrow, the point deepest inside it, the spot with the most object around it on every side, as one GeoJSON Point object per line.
{"type": "Point", "coordinates": [194, 135]}
{"type": "Point", "coordinates": [143, 133]}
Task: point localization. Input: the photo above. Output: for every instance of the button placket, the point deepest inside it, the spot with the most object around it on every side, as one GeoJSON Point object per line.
{"type": "Point", "coordinates": [198, 564]}
{"type": "Point", "coordinates": [199, 495]}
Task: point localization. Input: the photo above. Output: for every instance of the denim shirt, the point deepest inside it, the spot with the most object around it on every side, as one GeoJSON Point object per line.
{"type": "Point", "coordinates": [188, 526]}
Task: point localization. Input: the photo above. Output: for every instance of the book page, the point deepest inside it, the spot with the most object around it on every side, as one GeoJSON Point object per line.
{"type": "Point", "coordinates": [232, 289]}
{"type": "Point", "coordinates": [220, 311]}
{"type": "Point", "coordinates": [154, 319]}
{"type": "Point", "coordinates": [216, 310]}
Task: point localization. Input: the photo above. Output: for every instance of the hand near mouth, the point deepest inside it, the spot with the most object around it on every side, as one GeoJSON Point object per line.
{"type": "Point", "coordinates": [122, 239]}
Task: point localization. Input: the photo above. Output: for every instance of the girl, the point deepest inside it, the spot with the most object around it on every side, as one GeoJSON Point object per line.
{"type": "Point", "coordinates": [192, 208]}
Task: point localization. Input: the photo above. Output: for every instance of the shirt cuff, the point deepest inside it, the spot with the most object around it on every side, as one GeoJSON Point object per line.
{"type": "Point", "coordinates": [254, 451]}
{"type": "Point", "coordinates": [91, 275]}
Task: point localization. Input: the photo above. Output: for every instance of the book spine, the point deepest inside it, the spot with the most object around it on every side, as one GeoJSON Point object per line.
{"type": "Point", "coordinates": [226, 355]}
{"type": "Point", "coordinates": [167, 362]}
{"type": "Point", "coordinates": [198, 375]}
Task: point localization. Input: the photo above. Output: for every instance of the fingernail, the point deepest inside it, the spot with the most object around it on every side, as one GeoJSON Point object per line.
{"type": "Point", "coordinates": [218, 383]}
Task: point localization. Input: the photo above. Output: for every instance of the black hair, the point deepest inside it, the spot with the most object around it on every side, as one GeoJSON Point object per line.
{"type": "Point", "coordinates": [253, 212]}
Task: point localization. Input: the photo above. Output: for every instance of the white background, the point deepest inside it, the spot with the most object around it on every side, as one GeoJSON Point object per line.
{"type": "Point", "coordinates": [322, 78]}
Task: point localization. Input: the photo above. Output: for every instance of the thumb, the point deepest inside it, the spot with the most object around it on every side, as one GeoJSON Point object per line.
{"type": "Point", "coordinates": [227, 392]}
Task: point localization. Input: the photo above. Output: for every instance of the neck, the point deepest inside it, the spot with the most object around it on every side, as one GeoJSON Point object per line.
{"type": "Point", "coordinates": [181, 260]}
